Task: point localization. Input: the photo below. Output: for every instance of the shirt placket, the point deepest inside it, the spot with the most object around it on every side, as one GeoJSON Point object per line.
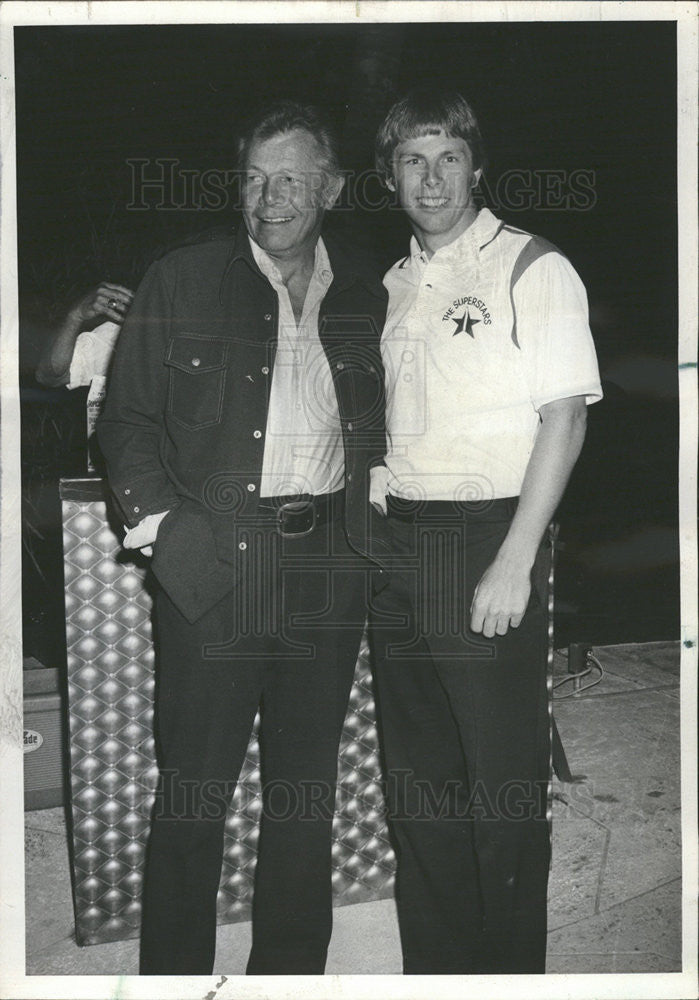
{"type": "Point", "coordinates": [427, 293]}
{"type": "Point", "coordinates": [297, 342]}
{"type": "Point", "coordinates": [287, 387]}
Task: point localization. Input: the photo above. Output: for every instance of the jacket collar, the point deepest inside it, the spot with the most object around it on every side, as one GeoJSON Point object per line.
{"type": "Point", "coordinates": [349, 267]}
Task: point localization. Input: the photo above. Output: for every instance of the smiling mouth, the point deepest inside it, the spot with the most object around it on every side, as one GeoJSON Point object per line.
{"type": "Point", "coordinates": [426, 202]}
{"type": "Point", "coordinates": [277, 221]}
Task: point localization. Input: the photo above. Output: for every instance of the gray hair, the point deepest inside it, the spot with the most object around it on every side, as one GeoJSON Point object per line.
{"type": "Point", "coordinates": [286, 116]}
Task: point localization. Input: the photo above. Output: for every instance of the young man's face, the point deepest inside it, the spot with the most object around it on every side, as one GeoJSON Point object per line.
{"type": "Point", "coordinates": [286, 193]}
{"type": "Point", "coordinates": [434, 178]}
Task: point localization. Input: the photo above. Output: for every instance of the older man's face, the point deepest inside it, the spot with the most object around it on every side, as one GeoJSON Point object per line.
{"type": "Point", "coordinates": [285, 193]}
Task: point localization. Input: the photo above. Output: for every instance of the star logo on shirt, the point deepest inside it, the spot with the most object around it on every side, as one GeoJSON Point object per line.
{"type": "Point", "coordinates": [465, 322]}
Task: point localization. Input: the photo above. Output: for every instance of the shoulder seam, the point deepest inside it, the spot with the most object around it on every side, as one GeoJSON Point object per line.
{"type": "Point", "coordinates": [535, 248]}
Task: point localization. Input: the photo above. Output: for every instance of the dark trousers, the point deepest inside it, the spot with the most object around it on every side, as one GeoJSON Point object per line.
{"type": "Point", "coordinates": [285, 639]}
{"type": "Point", "coordinates": [465, 728]}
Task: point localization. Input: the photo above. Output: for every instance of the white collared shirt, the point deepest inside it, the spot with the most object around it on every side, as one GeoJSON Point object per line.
{"type": "Point", "coordinates": [303, 450]}
{"type": "Point", "coordinates": [471, 359]}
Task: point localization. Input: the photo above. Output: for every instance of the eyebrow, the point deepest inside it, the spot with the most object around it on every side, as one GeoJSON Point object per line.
{"type": "Point", "coordinates": [283, 169]}
{"type": "Point", "coordinates": [445, 152]}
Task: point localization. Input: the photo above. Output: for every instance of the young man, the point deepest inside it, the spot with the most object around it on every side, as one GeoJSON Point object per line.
{"type": "Point", "coordinates": [489, 364]}
{"type": "Point", "coordinates": [244, 413]}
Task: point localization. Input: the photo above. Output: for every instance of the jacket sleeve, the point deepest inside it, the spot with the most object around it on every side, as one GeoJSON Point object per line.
{"type": "Point", "coordinates": [131, 428]}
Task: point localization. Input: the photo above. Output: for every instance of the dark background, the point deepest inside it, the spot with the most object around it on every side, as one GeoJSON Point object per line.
{"type": "Point", "coordinates": [564, 97]}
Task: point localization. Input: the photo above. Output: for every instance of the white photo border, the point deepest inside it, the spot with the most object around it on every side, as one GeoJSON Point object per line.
{"type": "Point", "coordinates": [13, 981]}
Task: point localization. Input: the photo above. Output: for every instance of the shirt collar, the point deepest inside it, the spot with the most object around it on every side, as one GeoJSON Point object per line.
{"type": "Point", "coordinates": [348, 265]}
{"type": "Point", "coordinates": [321, 264]}
{"type": "Point", "coordinates": [479, 234]}
{"type": "Point", "coordinates": [417, 254]}
{"type": "Point", "coordinates": [485, 228]}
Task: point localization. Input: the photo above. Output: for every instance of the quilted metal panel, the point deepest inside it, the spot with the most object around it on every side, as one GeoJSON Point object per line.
{"type": "Point", "coordinates": [113, 770]}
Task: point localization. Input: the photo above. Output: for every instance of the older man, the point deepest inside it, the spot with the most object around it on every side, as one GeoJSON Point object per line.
{"type": "Point", "coordinates": [489, 364]}
{"type": "Point", "coordinates": [244, 415]}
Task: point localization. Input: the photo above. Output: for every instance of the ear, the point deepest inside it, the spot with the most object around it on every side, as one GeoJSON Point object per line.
{"type": "Point", "coordinates": [331, 190]}
{"type": "Point", "coordinates": [390, 183]}
{"type": "Point", "coordinates": [477, 177]}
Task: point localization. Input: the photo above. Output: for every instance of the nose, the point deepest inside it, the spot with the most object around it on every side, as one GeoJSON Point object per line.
{"type": "Point", "coordinates": [433, 174]}
{"type": "Point", "coordinates": [272, 192]}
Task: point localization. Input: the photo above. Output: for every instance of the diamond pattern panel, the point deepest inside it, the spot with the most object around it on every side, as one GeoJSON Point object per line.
{"type": "Point", "coordinates": [113, 770]}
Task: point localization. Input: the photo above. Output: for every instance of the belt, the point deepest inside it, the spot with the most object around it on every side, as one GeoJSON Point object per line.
{"type": "Point", "coordinates": [499, 509]}
{"type": "Point", "coordinates": [297, 516]}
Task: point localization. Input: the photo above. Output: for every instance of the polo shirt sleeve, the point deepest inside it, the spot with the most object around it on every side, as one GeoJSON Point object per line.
{"type": "Point", "coordinates": [554, 334]}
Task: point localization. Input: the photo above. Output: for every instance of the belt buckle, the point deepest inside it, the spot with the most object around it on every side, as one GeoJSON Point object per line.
{"type": "Point", "coordinates": [297, 508]}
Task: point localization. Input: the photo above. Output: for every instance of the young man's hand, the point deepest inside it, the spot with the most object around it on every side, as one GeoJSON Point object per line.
{"type": "Point", "coordinates": [378, 478]}
{"type": "Point", "coordinates": [501, 598]}
{"type": "Point", "coordinates": [503, 591]}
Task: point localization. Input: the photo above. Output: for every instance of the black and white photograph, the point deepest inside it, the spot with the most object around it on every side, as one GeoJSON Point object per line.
{"type": "Point", "coordinates": [349, 432]}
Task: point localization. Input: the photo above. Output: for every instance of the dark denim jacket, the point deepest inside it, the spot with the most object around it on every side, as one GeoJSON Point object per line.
{"type": "Point", "coordinates": [186, 410]}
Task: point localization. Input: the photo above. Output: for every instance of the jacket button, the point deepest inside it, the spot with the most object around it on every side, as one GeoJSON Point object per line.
{"type": "Point", "coordinates": [196, 362]}
{"type": "Point", "coordinates": [137, 510]}
{"type": "Point", "coordinates": [257, 434]}
{"type": "Point", "coordinates": [242, 546]}
{"type": "Point", "coordinates": [265, 370]}
{"type": "Point", "coordinates": [350, 427]}
{"type": "Point", "coordinates": [251, 487]}
{"type": "Point", "coordinates": [127, 492]}
{"type": "Point", "coordinates": [268, 317]}
{"type": "Point", "coordinates": [340, 366]}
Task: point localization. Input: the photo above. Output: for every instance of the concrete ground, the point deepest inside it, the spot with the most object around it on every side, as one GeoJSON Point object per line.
{"type": "Point", "coordinates": [615, 888]}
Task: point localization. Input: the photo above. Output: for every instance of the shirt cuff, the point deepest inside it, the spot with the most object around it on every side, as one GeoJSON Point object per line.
{"type": "Point", "coordinates": [592, 393]}
{"type": "Point", "coordinates": [145, 532]}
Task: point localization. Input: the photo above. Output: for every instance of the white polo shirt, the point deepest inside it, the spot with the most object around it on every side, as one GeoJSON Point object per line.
{"type": "Point", "coordinates": [477, 339]}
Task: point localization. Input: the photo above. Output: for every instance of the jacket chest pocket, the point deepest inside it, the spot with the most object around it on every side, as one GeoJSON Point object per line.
{"type": "Point", "coordinates": [197, 376]}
